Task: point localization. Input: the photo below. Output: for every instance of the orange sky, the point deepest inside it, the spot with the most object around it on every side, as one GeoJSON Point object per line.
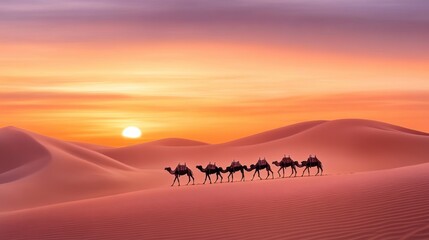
{"type": "Point", "coordinates": [176, 80]}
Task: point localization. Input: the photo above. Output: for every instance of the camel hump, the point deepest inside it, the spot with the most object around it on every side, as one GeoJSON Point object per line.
{"type": "Point", "coordinates": [262, 162]}
{"type": "Point", "coordinates": [211, 166]}
{"type": "Point", "coordinates": [235, 164]}
{"type": "Point", "coordinates": [181, 167]}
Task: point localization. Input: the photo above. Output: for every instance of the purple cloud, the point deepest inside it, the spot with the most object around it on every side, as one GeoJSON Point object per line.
{"type": "Point", "coordinates": [387, 27]}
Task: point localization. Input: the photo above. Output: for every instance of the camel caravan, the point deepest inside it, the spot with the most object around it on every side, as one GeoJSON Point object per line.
{"type": "Point", "coordinates": [236, 166]}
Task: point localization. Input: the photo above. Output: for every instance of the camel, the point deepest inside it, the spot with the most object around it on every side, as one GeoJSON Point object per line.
{"type": "Point", "coordinates": [235, 167]}
{"type": "Point", "coordinates": [211, 169]}
{"type": "Point", "coordinates": [261, 164]}
{"type": "Point", "coordinates": [181, 170]}
{"type": "Point", "coordinates": [285, 163]}
{"type": "Point", "coordinates": [311, 162]}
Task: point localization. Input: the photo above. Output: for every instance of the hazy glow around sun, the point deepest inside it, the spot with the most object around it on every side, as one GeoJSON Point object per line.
{"type": "Point", "coordinates": [131, 132]}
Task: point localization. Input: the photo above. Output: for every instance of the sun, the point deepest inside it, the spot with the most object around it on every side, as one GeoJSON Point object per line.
{"type": "Point", "coordinates": [131, 132]}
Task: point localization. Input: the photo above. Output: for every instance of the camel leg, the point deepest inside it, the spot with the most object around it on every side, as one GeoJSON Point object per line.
{"type": "Point", "coordinates": [259, 175]}
{"type": "Point", "coordinates": [268, 173]}
{"type": "Point", "coordinates": [242, 176]}
{"type": "Point", "coordinates": [205, 179]}
{"type": "Point", "coordinates": [189, 179]}
{"type": "Point", "coordinates": [178, 181]}
{"type": "Point", "coordinates": [210, 178]}
{"type": "Point", "coordinates": [321, 170]}
{"type": "Point", "coordinates": [308, 169]}
{"type": "Point", "coordinates": [254, 175]}
{"type": "Point", "coordinates": [174, 181]}
{"type": "Point", "coordinates": [284, 172]}
{"type": "Point", "coordinates": [304, 171]}
{"type": "Point", "coordinates": [279, 171]}
{"type": "Point", "coordinates": [229, 175]}
{"type": "Point", "coordinates": [217, 176]}
{"type": "Point", "coordinates": [291, 168]}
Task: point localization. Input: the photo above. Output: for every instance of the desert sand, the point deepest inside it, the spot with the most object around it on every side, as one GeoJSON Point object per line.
{"type": "Point", "coordinates": [375, 187]}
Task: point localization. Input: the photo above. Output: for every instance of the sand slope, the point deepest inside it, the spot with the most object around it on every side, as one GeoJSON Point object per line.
{"type": "Point", "coordinates": [387, 204]}
{"type": "Point", "coordinates": [37, 170]}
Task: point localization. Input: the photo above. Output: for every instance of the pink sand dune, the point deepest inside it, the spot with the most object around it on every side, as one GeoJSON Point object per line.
{"type": "Point", "coordinates": [37, 170]}
{"type": "Point", "coordinates": [175, 142]}
{"type": "Point", "coordinates": [385, 204]}
{"type": "Point", "coordinates": [342, 145]}
{"type": "Point", "coordinates": [91, 146]}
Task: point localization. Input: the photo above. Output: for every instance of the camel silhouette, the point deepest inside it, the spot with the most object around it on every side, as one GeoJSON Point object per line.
{"type": "Point", "coordinates": [311, 162]}
{"type": "Point", "coordinates": [179, 171]}
{"type": "Point", "coordinates": [285, 163]}
{"type": "Point", "coordinates": [261, 164]}
{"type": "Point", "coordinates": [234, 167]}
{"type": "Point", "coordinates": [211, 169]}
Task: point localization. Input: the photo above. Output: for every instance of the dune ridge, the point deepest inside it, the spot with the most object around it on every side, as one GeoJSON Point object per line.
{"type": "Point", "coordinates": [23, 147]}
{"type": "Point", "coordinates": [176, 142]}
{"type": "Point", "coordinates": [25, 162]}
{"type": "Point", "coordinates": [275, 134]}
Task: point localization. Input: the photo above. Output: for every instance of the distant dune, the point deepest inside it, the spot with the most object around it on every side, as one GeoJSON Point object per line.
{"type": "Point", "coordinates": [387, 204]}
{"type": "Point", "coordinates": [36, 170]}
{"type": "Point", "coordinates": [175, 142]}
{"type": "Point", "coordinates": [343, 146]}
{"type": "Point", "coordinates": [275, 134]}
{"type": "Point", "coordinates": [91, 146]}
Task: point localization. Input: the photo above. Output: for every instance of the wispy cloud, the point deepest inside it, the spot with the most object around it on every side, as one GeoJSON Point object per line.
{"type": "Point", "coordinates": [386, 27]}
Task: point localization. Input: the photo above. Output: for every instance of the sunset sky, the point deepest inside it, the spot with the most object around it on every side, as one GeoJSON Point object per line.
{"type": "Point", "coordinates": [209, 70]}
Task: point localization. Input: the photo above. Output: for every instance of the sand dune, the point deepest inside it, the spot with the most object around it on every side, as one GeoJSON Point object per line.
{"type": "Point", "coordinates": [175, 142]}
{"type": "Point", "coordinates": [21, 155]}
{"type": "Point", "coordinates": [275, 134]}
{"type": "Point", "coordinates": [343, 146]}
{"type": "Point", "coordinates": [51, 189]}
{"type": "Point", "coordinates": [386, 204]}
{"type": "Point", "coordinates": [37, 170]}
{"type": "Point", "coordinates": [91, 146]}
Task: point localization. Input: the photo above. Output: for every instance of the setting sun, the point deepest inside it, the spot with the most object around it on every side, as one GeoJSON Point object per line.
{"type": "Point", "coordinates": [131, 132]}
